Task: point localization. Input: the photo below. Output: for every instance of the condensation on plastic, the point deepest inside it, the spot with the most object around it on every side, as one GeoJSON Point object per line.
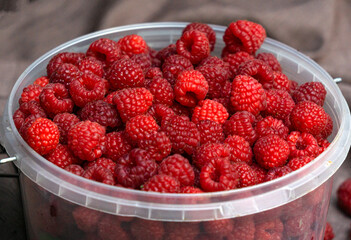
{"type": "Point", "coordinates": [182, 207]}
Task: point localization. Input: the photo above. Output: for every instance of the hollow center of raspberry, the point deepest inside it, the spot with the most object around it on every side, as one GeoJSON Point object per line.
{"type": "Point", "coordinates": [215, 176]}
{"type": "Point", "coordinates": [300, 145]}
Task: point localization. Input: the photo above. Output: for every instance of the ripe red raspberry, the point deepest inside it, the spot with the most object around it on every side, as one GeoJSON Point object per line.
{"type": "Point", "coordinates": [310, 91]}
{"type": "Point", "coordinates": [181, 110]}
{"type": "Point", "coordinates": [116, 145]}
{"type": "Point", "coordinates": [173, 66]}
{"type": "Point", "coordinates": [216, 77]}
{"type": "Point", "coordinates": [309, 117]}
{"type": "Point", "coordinates": [153, 72]}
{"type": "Point", "coordinates": [183, 134]}
{"type": "Point", "coordinates": [64, 122]}
{"type": "Point", "coordinates": [270, 125]}
{"type": "Point", "coordinates": [101, 112]}
{"type": "Point", "coordinates": [247, 95]}
{"type": "Point", "coordinates": [190, 87]}
{"type": "Point", "coordinates": [245, 36]}
{"type": "Point", "coordinates": [103, 162]}
{"type": "Point", "coordinates": [242, 124]}
{"type": "Point", "coordinates": [146, 230]}
{"type": "Point", "coordinates": [210, 132]}
{"type": "Point", "coordinates": [260, 172]}
{"type": "Point", "coordinates": [270, 229]}
{"type": "Point", "coordinates": [62, 156]}
{"type": "Point", "coordinates": [281, 82]}
{"type": "Point", "coordinates": [65, 74]}
{"type": "Point", "coordinates": [160, 113]}
{"type": "Point", "coordinates": [328, 232]}
{"type": "Point", "coordinates": [210, 110]}
{"type": "Point", "coordinates": [131, 102]}
{"type": "Point", "coordinates": [135, 168]}
{"type": "Point", "coordinates": [218, 175]}
{"type": "Point", "coordinates": [91, 64]}
{"type": "Point", "coordinates": [105, 50]}
{"type": "Point", "coordinates": [327, 131]}
{"type": "Point", "coordinates": [271, 60]}
{"type": "Point", "coordinates": [87, 88]}
{"type": "Point", "coordinates": [271, 151]}
{"type": "Point", "coordinates": [99, 174]}
{"type": "Point", "coordinates": [157, 144]}
{"type": "Point", "coordinates": [298, 162]}
{"type": "Point", "coordinates": [141, 127]}
{"type": "Point", "coordinates": [110, 228]}
{"type": "Point", "coordinates": [87, 140]}
{"type": "Point", "coordinates": [42, 135]}
{"type": "Point", "coordinates": [162, 183]}
{"type": "Point", "coordinates": [235, 60]}
{"type": "Point", "coordinates": [302, 144]}
{"type": "Point", "coordinates": [323, 144]}
{"type": "Point", "coordinates": [61, 58]}
{"type": "Point", "coordinates": [144, 60]}
{"type": "Point", "coordinates": [75, 169]}
{"type": "Point", "coordinates": [207, 152]}
{"type": "Point", "coordinates": [162, 91]}
{"type": "Point", "coordinates": [244, 228]}
{"type": "Point", "coordinates": [165, 52]}
{"type": "Point", "coordinates": [277, 172]}
{"type": "Point", "coordinates": [247, 176]}
{"type": "Point", "coordinates": [190, 189]}
{"type": "Point", "coordinates": [182, 230]}
{"type": "Point", "coordinates": [219, 229]}
{"type": "Point", "coordinates": [298, 225]}
{"type": "Point", "coordinates": [41, 81]}
{"type": "Point", "coordinates": [344, 196]}
{"type": "Point", "coordinates": [239, 149]}
{"type": "Point", "coordinates": [132, 44]}
{"type": "Point", "coordinates": [194, 45]}
{"type": "Point", "coordinates": [86, 219]}
{"type": "Point", "coordinates": [204, 28]}
{"type": "Point", "coordinates": [27, 111]}
{"type": "Point", "coordinates": [259, 70]}
{"type": "Point", "coordinates": [279, 104]}
{"type": "Point", "coordinates": [30, 93]}
{"type": "Point", "coordinates": [55, 99]}
{"type": "Point", "coordinates": [125, 73]}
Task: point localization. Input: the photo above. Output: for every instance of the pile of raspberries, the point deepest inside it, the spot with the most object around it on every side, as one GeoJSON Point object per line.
{"type": "Point", "coordinates": [176, 119]}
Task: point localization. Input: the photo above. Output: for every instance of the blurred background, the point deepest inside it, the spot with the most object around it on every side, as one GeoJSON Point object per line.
{"type": "Point", "coordinates": [28, 28]}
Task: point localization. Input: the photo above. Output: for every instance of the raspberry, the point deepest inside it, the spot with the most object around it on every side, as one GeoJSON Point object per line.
{"type": "Point", "coordinates": [281, 81]}
{"type": "Point", "coordinates": [135, 168]}
{"type": "Point", "coordinates": [91, 64]}
{"type": "Point", "coordinates": [239, 149]}
{"type": "Point", "coordinates": [194, 45]}
{"type": "Point", "coordinates": [242, 124]}
{"type": "Point", "coordinates": [99, 174]}
{"type": "Point", "coordinates": [173, 66]}
{"type": "Point", "coordinates": [190, 87]}
{"type": "Point", "coordinates": [277, 172]}
{"type": "Point", "coordinates": [87, 88]}
{"type": "Point", "coordinates": [75, 169]}
{"type": "Point", "coordinates": [260, 172]}
{"type": "Point", "coordinates": [271, 151]}
{"type": "Point", "coordinates": [153, 72]}
{"type": "Point", "coordinates": [140, 127]}
{"type": "Point", "coordinates": [105, 50]}
{"type": "Point", "coordinates": [207, 152]}
{"type": "Point", "coordinates": [271, 60]}
{"type": "Point", "coordinates": [27, 111]}
{"type": "Point", "coordinates": [323, 145]}
{"type": "Point", "coordinates": [204, 28]}
{"type": "Point", "coordinates": [279, 104]}
{"type": "Point", "coordinates": [103, 162]}
{"type": "Point", "coordinates": [247, 176]}
{"type": "Point", "coordinates": [298, 162]}
{"type": "Point", "coordinates": [218, 175]}
{"type": "Point", "coordinates": [160, 113]}
{"type": "Point", "coordinates": [210, 132]}
{"type": "Point", "coordinates": [328, 233]}
{"type": "Point", "coordinates": [162, 183]}
{"type": "Point", "coordinates": [147, 230]}
{"type": "Point", "coordinates": [190, 189]}
{"type": "Point", "coordinates": [30, 93]}
{"type": "Point", "coordinates": [210, 110]}
{"type": "Point", "coordinates": [310, 91]}
{"type": "Point", "coordinates": [131, 102]}
{"type": "Point", "coordinates": [178, 167]}
{"type": "Point", "coordinates": [181, 110]}
{"type": "Point", "coordinates": [259, 70]}
{"type": "Point", "coordinates": [101, 112]}
{"type": "Point", "coordinates": [302, 144]}
{"type": "Point", "coordinates": [247, 95]}
{"type": "Point", "coordinates": [65, 74]}
{"type": "Point", "coordinates": [244, 228]}
{"type": "Point", "coordinates": [41, 81]}
{"type": "Point", "coordinates": [235, 60]}
{"type": "Point", "coordinates": [270, 125]}
{"type": "Point", "coordinates": [116, 145]}
{"type": "Point", "coordinates": [165, 52]}
{"type": "Point", "coordinates": [157, 145]}
{"type": "Point", "coordinates": [216, 77]}
{"type": "Point", "coordinates": [132, 44]}
{"type": "Point", "coordinates": [328, 129]}
{"type": "Point", "coordinates": [309, 117]}
{"type": "Point", "coordinates": [245, 36]}
{"type": "Point", "coordinates": [125, 73]}
{"type": "Point", "coordinates": [86, 219]}
{"type": "Point", "coordinates": [64, 122]}
{"type": "Point", "coordinates": [87, 140]}
{"type": "Point", "coordinates": [144, 60]}
{"type": "Point", "coordinates": [344, 196]}
{"type": "Point", "coordinates": [62, 156]}
{"type": "Point", "coordinates": [109, 228]}
{"type": "Point", "coordinates": [55, 99]}
{"type": "Point", "coordinates": [61, 58]}
{"type": "Point", "coordinates": [183, 134]}
{"type": "Point", "coordinates": [298, 225]}
{"type": "Point", "coordinates": [218, 229]}
{"type": "Point", "coordinates": [162, 91]}
{"type": "Point", "coordinates": [269, 229]}
{"type": "Point", "coordinates": [182, 230]}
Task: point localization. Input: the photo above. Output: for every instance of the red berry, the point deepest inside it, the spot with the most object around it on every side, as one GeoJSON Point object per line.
{"type": "Point", "coordinates": [166, 52]}
{"type": "Point", "coordinates": [153, 72]}
{"type": "Point", "coordinates": [64, 122]}
{"type": "Point", "coordinates": [132, 44]}
{"type": "Point", "coordinates": [61, 58]}
{"type": "Point", "coordinates": [146, 230]}
{"type": "Point", "coordinates": [344, 196]}
{"type": "Point", "coordinates": [210, 132]}
{"type": "Point", "coordinates": [210, 110]}
{"type": "Point", "coordinates": [259, 70]}
{"type": "Point", "coordinates": [162, 183]}
{"type": "Point", "coordinates": [30, 93]}
{"type": "Point", "coordinates": [190, 189]}
{"type": "Point", "coordinates": [160, 113]}
{"type": "Point", "coordinates": [271, 60]}
{"type": "Point", "coordinates": [218, 229]}
{"type": "Point", "coordinates": [281, 82]}
{"type": "Point", "coordinates": [65, 74]}
{"type": "Point", "coordinates": [279, 104]}
{"type": "Point", "coordinates": [75, 169]}
{"type": "Point", "coordinates": [87, 140]}
{"type": "Point", "coordinates": [216, 77]}
{"type": "Point", "coordinates": [116, 145]}
{"type": "Point", "coordinates": [207, 152]}
{"type": "Point", "coordinates": [244, 228]}
{"type": "Point", "coordinates": [99, 174]}
{"type": "Point", "coordinates": [269, 229]}
{"type": "Point", "coordinates": [310, 91]}
{"type": "Point", "coordinates": [91, 64]}
{"type": "Point", "coordinates": [328, 129]}
{"type": "Point", "coordinates": [271, 151]}
{"type": "Point", "coordinates": [140, 127]}
{"type": "Point", "coordinates": [110, 228]}
{"type": "Point", "coordinates": [103, 162]}
{"type": "Point", "coordinates": [62, 156]}
{"type": "Point", "coordinates": [105, 50]}
{"type": "Point", "coordinates": [173, 66]}
{"type": "Point", "coordinates": [191, 87]}
{"type": "Point", "coordinates": [239, 149]}
{"type": "Point", "coordinates": [131, 102]}
{"type": "Point", "coordinates": [41, 81]}
{"type": "Point", "coordinates": [328, 232]}
{"type": "Point", "coordinates": [27, 111]}
{"type": "Point", "coordinates": [302, 144]}
{"type": "Point", "coordinates": [157, 144]}
{"type": "Point", "coordinates": [144, 60]}
{"type": "Point", "coordinates": [247, 176]}
{"type": "Point", "coordinates": [204, 28]}
{"type": "Point", "coordinates": [298, 162]}
{"type": "Point", "coordinates": [260, 172]}
{"type": "Point", "coordinates": [86, 219]}
{"type": "Point", "coordinates": [277, 172]}
{"type": "Point", "coordinates": [235, 60]}
{"type": "Point", "coordinates": [162, 91]}
{"type": "Point", "coordinates": [270, 125]}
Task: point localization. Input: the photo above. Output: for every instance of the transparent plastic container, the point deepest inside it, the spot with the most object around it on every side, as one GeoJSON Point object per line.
{"type": "Point", "coordinates": [61, 205]}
